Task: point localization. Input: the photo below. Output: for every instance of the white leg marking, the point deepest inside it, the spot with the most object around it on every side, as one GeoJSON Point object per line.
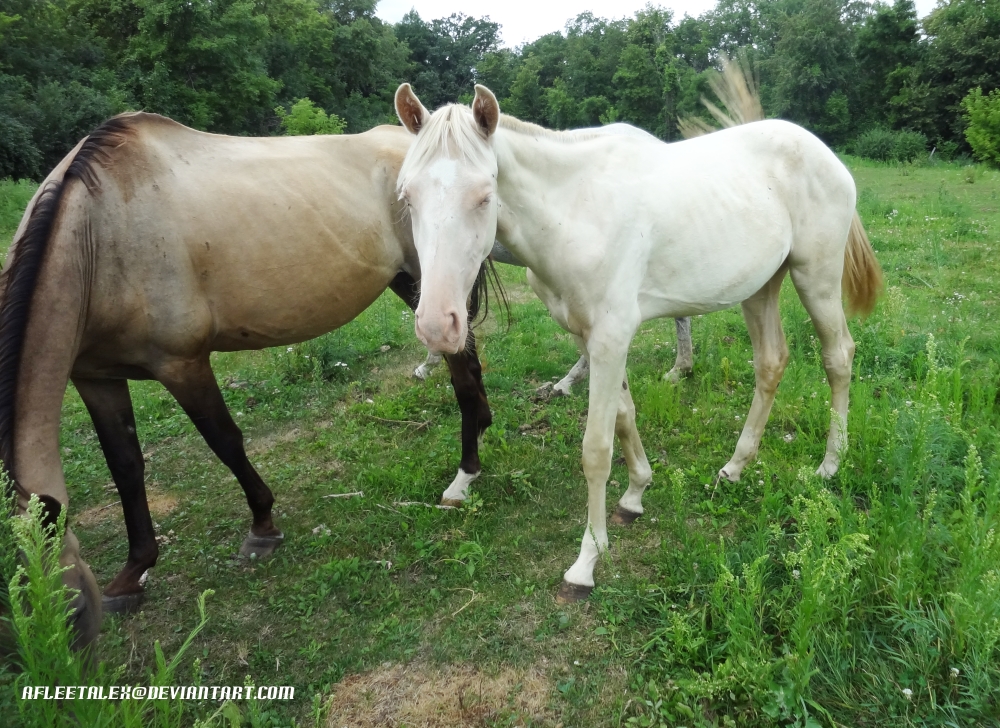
{"type": "Point", "coordinates": [424, 370]}
{"type": "Point", "coordinates": [578, 373]}
{"type": "Point", "coordinates": [581, 572]}
{"type": "Point", "coordinates": [459, 488]}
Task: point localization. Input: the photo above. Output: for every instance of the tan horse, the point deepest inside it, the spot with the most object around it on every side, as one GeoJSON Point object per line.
{"type": "Point", "coordinates": [152, 245]}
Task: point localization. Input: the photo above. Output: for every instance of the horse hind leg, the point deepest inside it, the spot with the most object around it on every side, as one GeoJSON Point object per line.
{"type": "Point", "coordinates": [684, 363]}
{"type": "Point", "coordinates": [822, 300]}
{"type": "Point", "coordinates": [770, 356]}
{"type": "Point", "coordinates": [110, 408]}
{"type": "Point", "coordinates": [639, 473]}
{"type": "Point", "coordinates": [193, 385]}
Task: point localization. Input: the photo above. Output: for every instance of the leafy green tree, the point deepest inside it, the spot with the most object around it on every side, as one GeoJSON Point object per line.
{"type": "Point", "coordinates": [887, 48]}
{"type": "Point", "coordinates": [811, 62]}
{"type": "Point", "coordinates": [305, 119]}
{"type": "Point", "coordinates": [527, 98]}
{"type": "Point", "coordinates": [54, 84]}
{"type": "Point", "coordinates": [962, 52]}
{"type": "Point", "coordinates": [497, 71]}
{"type": "Point", "coordinates": [444, 54]}
{"type": "Point", "coordinates": [202, 62]}
{"type": "Point", "coordinates": [982, 112]}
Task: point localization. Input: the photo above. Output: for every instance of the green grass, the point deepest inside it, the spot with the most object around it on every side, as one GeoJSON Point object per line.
{"type": "Point", "coordinates": [779, 600]}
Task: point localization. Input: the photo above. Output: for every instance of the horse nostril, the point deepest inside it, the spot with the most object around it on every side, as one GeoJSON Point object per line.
{"type": "Point", "coordinates": [455, 322]}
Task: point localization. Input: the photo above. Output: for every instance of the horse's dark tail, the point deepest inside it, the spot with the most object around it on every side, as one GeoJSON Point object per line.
{"type": "Point", "coordinates": [18, 284]}
{"type": "Point", "coordinates": [19, 278]}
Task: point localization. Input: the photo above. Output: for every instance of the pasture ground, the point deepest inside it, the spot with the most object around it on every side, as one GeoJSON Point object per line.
{"type": "Point", "coordinates": [871, 599]}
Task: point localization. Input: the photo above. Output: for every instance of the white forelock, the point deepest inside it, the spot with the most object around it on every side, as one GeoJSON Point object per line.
{"type": "Point", "coordinates": [450, 132]}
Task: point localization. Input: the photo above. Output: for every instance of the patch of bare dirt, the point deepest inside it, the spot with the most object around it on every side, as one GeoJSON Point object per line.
{"type": "Point", "coordinates": [451, 696]}
{"type": "Point", "coordinates": [265, 443]}
{"type": "Point", "coordinates": [160, 504]}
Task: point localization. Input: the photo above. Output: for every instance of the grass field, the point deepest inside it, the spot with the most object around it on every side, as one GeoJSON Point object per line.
{"type": "Point", "coordinates": [871, 599]}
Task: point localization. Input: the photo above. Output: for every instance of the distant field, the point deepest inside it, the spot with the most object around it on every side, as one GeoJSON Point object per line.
{"type": "Point", "coordinates": [869, 600]}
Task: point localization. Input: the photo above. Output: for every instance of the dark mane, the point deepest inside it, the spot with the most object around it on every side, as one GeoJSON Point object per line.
{"type": "Point", "coordinates": [479, 298]}
{"type": "Point", "coordinates": [18, 280]}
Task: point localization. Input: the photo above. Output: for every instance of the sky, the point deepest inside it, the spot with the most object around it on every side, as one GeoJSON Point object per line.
{"type": "Point", "coordinates": [525, 20]}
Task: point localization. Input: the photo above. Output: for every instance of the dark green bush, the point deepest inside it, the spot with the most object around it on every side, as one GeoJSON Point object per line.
{"type": "Point", "coordinates": [878, 144]}
{"type": "Point", "coordinates": [885, 145]}
{"type": "Point", "coordinates": [909, 146]}
{"type": "Point", "coordinates": [19, 157]}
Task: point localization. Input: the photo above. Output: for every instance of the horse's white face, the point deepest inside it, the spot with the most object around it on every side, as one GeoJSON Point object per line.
{"type": "Point", "coordinates": [453, 210]}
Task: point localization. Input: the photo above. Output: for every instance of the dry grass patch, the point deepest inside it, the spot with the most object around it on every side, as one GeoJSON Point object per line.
{"type": "Point", "coordinates": [160, 504]}
{"type": "Point", "coordinates": [418, 695]}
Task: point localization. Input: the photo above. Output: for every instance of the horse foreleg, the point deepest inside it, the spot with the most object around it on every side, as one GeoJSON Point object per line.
{"type": "Point", "coordinates": [607, 379]}
{"type": "Point", "coordinates": [685, 356]}
{"type": "Point", "coordinates": [770, 355]}
{"type": "Point", "coordinates": [110, 408]}
{"type": "Point", "coordinates": [193, 385]}
{"type": "Point", "coordinates": [467, 379]}
{"type": "Point", "coordinates": [639, 473]}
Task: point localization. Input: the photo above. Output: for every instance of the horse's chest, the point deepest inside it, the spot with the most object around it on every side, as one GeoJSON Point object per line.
{"type": "Point", "coordinates": [560, 307]}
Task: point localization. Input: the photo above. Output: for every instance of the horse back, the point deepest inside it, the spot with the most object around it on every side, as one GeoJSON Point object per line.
{"type": "Point", "coordinates": [206, 242]}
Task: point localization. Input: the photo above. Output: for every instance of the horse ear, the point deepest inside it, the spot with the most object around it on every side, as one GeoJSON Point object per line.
{"type": "Point", "coordinates": [485, 110]}
{"type": "Point", "coordinates": [409, 109]}
{"type": "Point", "coordinates": [51, 508]}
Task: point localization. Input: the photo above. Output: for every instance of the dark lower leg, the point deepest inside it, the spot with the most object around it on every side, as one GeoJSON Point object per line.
{"type": "Point", "coordinates": [467, 379]}
{"type": "Point", "coordinates": [110, 408]}
{"type": "Point", "coordinates": [193, 385]}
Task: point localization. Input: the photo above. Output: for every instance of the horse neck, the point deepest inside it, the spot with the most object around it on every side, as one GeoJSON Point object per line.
{"type": "Point", "coordinates": [529, 172]}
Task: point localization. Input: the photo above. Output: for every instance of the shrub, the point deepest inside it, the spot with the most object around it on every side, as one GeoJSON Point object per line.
{"type": "Point", "coordinates": [885, 145]}
{"type": "Point", "coordinates": [878, 143]}
{"type": "Point", "coordinates": [305, 118]}
{"type": "Point", "coordinates": [983, 116]}
{"type": "Point", "coordinates": [909, 145]}
{"type": "Point", "coordinates": [19, 157]}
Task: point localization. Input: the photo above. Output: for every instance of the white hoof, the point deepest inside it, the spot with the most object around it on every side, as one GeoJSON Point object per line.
{"type": "Point", "coordinates": [561, 388]}
{"type": "Point", "coordinates": [422, 372]}
{"type": "Point", "coordinates": [458, 491]}
{"type": "Point", "coordinates": [828, 469]}
{"type": "Point", "coordinates": [730, 473]}
{"type": "Point", "coordinates": [675, 375]}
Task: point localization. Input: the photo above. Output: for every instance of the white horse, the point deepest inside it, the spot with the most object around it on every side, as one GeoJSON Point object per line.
{"type": "Point", "coordinates": [619, 229]}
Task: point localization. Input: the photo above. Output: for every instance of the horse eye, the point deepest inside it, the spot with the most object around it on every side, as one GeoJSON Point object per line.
{"type": "Point", "coordinates": [485, 201]}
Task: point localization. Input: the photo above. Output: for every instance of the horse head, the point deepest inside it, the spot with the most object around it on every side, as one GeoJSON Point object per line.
{"type": "Point", "coordinates": [448, 182]}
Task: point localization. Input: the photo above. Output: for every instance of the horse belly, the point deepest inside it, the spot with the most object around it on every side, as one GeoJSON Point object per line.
{"type": "Point", "coordinates": [301, 302]}
{"type": "Point", "coordinates": [686, 280]}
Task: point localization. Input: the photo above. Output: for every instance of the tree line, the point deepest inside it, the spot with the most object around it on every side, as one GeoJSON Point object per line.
{"type": "Point", "coordinates": [842, 68]}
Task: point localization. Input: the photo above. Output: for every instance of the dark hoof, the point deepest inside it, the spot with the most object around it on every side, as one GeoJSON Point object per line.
{"type": "Point", "coordinates": [623, 517]}
{"type": "Point", "coordinates": [452, 502]}
{"type": "Point", "coordinates": [123, 603]}
{"type": "Point", "coordinates": [569, 593]}
{"type": "Point", "coordinates": [260, 546]}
